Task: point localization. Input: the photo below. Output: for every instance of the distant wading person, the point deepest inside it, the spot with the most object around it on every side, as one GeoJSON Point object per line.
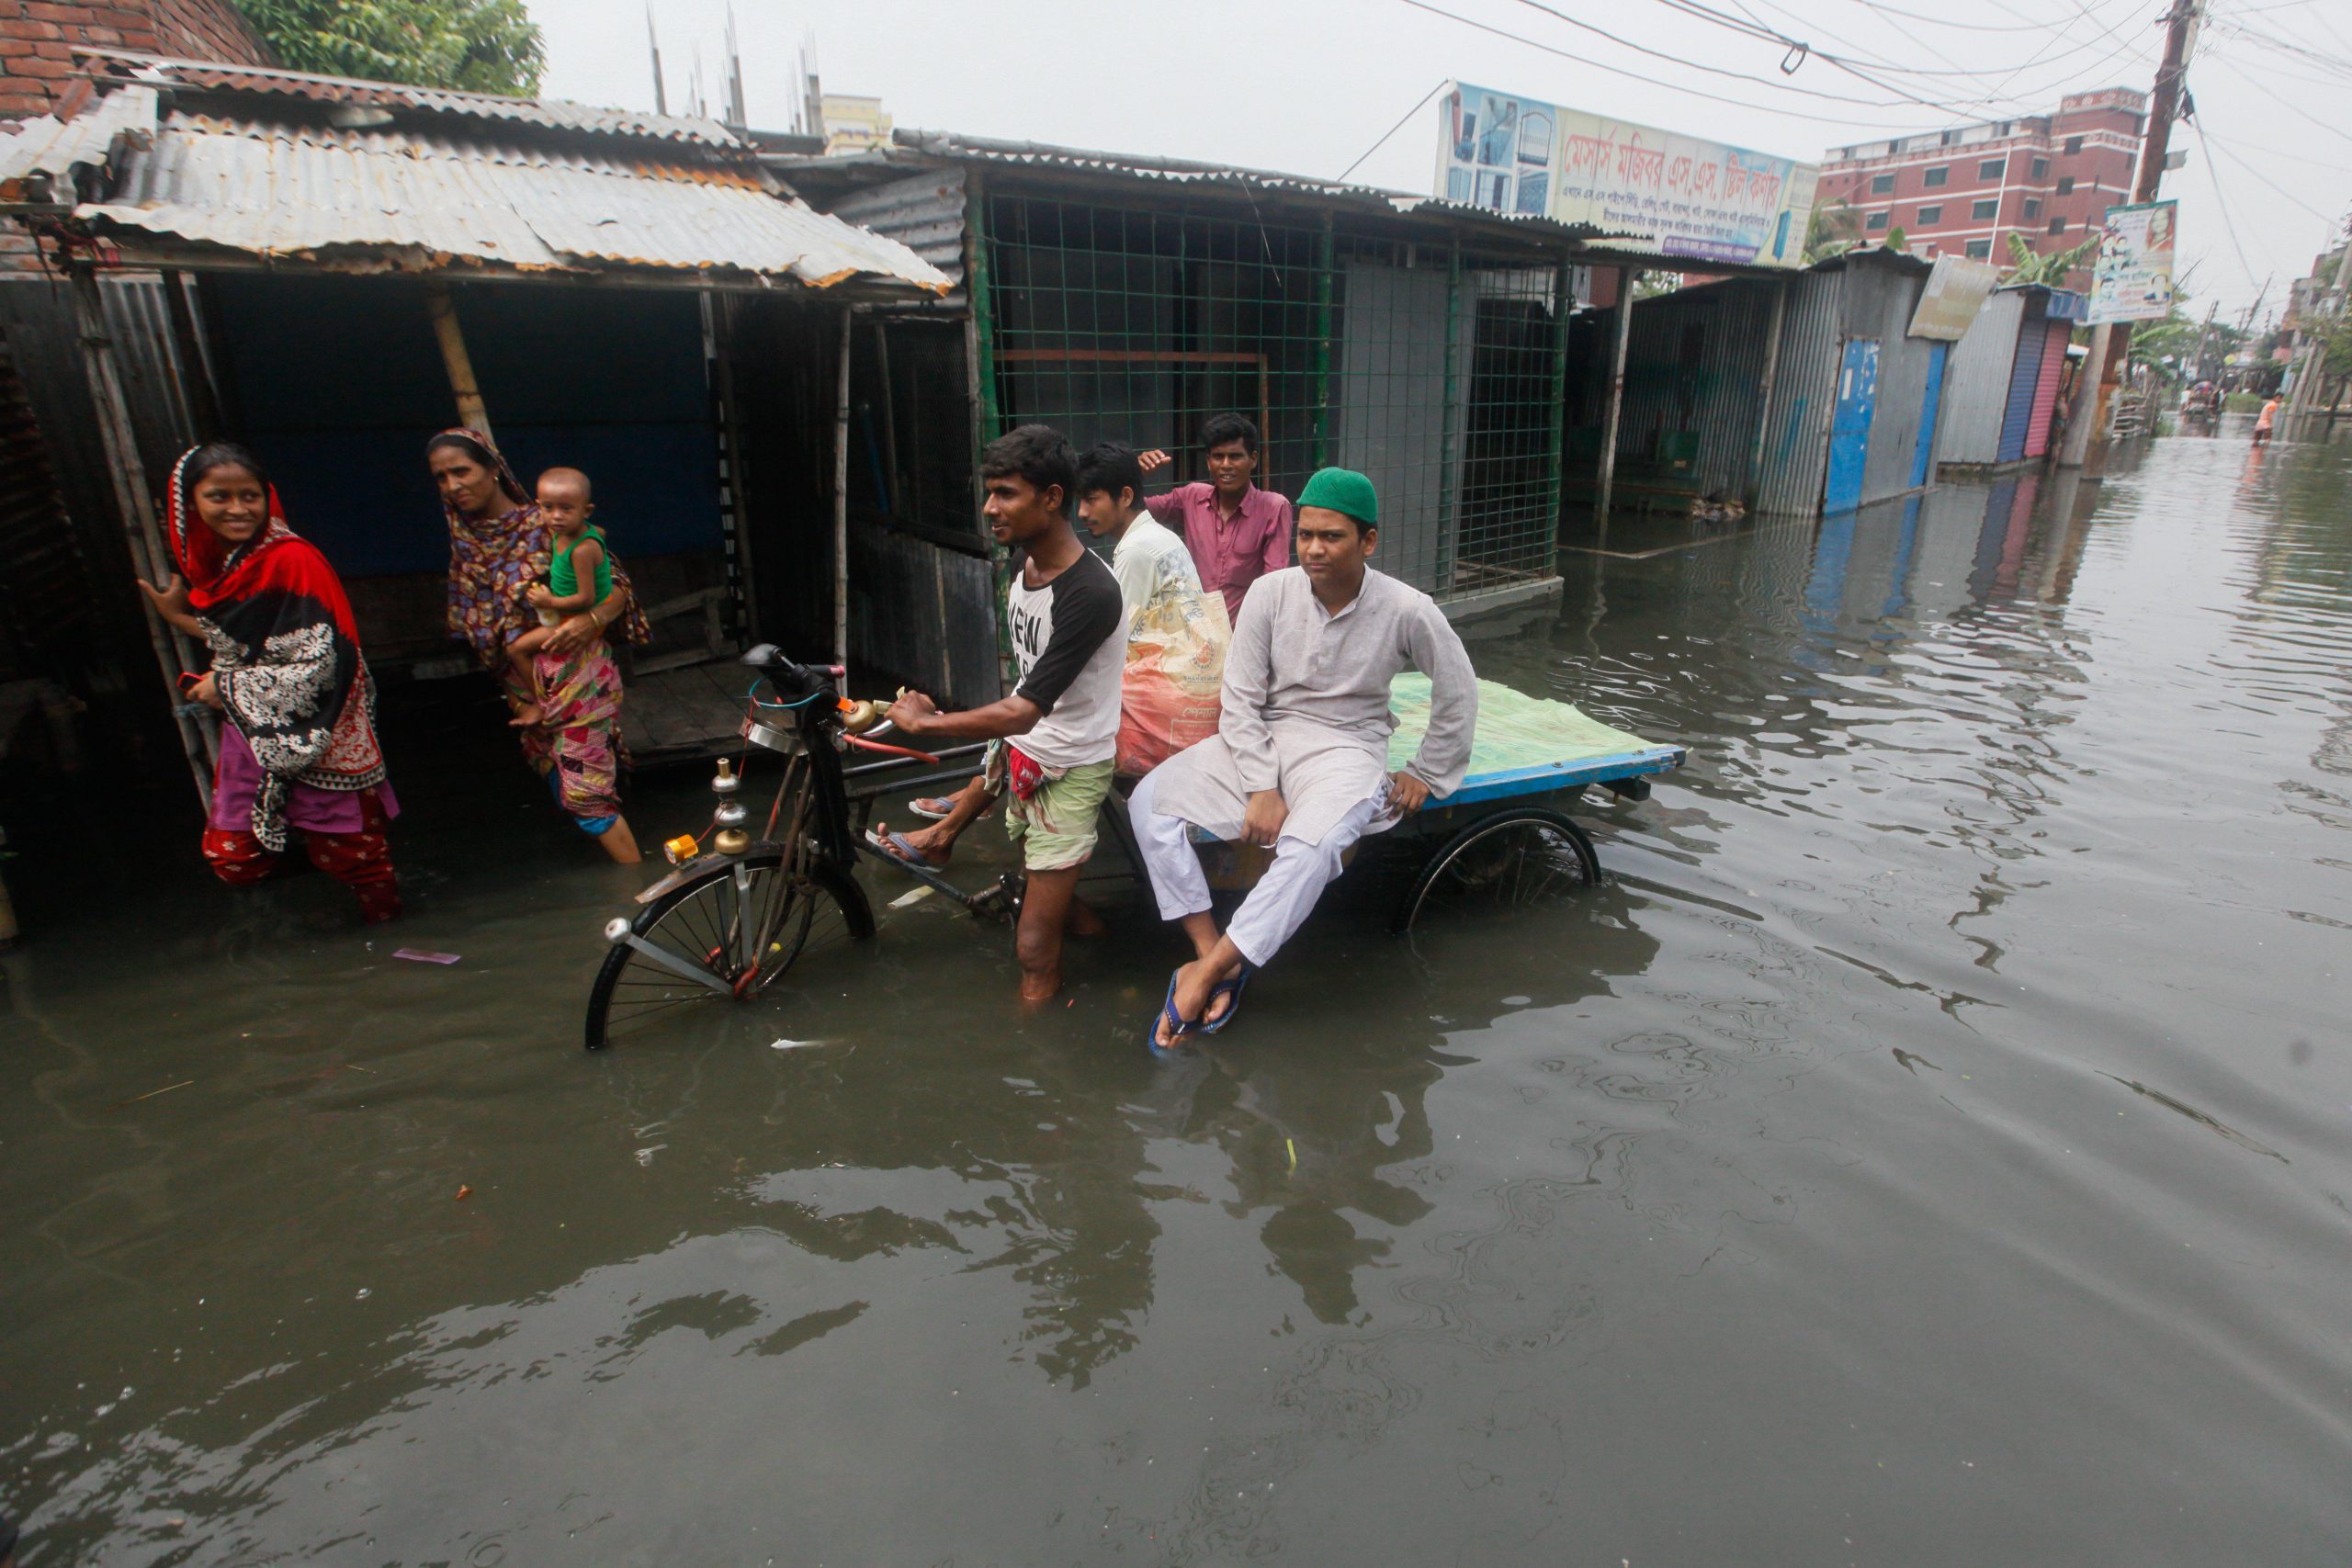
{"type": "Point", "coordinates": [499, 548]}
{"type": "Point", "coordinates": [299, 749]}
{"type": "Point", "coordinates": [2264, 420]}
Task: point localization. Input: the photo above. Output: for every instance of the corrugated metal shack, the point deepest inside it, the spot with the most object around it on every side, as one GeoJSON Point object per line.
{"type": "Point", "coordinates": [1696, 363]}
{"type": "Point", "coordinates": [1976, 390]}
{"type": "Point", "coordinates": [1851, 403]}
{"type": "Point", "coordinates": [2004, 383]}
{"type": "Point", "coordinates": [1128, 299]}
{"type": "Point", "coordinates": [2065, 311]}
{"type": "Point", "coordinates": [333, 270]}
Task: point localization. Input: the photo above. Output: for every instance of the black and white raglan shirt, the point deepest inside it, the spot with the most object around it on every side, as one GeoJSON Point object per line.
{"type": "Point", "coordinates": [1069, 643]}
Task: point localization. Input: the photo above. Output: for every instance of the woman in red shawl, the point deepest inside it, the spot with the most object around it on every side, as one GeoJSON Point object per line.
{"type": "Point", "coordinates": [498, 549]}
{"type": "Point", "coordinates": [299, 749]}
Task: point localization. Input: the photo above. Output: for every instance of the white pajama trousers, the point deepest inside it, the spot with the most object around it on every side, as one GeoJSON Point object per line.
{"type": "Point", "coordinates": [1283, 898]}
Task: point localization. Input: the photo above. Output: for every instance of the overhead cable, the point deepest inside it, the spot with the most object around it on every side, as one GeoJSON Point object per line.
{"type": "Point", "coordinates": [1881, 127]}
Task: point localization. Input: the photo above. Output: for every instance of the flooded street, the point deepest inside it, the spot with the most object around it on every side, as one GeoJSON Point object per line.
{"type": "Point", "coordinates": [1930, 1147]}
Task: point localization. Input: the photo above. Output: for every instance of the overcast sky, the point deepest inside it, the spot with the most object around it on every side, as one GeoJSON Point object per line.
{"type": "Point", "coordinates": [1308, 85]}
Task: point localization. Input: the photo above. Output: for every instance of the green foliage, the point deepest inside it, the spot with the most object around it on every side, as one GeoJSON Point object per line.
{"type": "Point", "coordinates": [2175, 337]}
{"type": "Point", "coordinates": [1833, 228]}
{"type": "Point", "coordinates": [1897, 240]}
{"type": "Point", "coordinates": [474, 46]}
{"type": "Point", "coordinates": [2029, 268]}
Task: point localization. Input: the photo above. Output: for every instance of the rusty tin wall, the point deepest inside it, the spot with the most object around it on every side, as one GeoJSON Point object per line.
{"type": "Point", "coordinates": [1796, 439]}
{"type": "Point", "coordinates": [1880, 299]}
{"type": "Point", "coordinates": [1976, 382]}
{"type": "Point", "coordinates": [1693, 364]}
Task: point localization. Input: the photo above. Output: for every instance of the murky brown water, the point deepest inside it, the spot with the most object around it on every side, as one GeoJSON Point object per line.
{"type": "Point", "coordinates": [1928, 1149]}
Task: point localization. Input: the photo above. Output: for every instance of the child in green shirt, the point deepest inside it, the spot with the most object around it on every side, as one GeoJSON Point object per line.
{"type": "Point", "coordinates": [579, 574]}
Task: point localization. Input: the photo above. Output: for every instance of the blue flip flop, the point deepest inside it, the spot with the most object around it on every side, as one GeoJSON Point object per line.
{"type": "Point", "coordinates": [899, 847]}
{"type": "Point", "coordinates": [1230, 986]}
{"type": "Point", "coordinates": [1179, 1025]}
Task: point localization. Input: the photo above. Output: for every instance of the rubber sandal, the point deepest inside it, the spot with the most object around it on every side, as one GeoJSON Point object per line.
{"type": "Point", "coordinates": [1230, 986]}
{"type": "Point", "coordinates": [1169, 1015]}
{"type": "Point", "coordinates": [931, 807]}
{"type": "Point", "coordinates": [899, 847]}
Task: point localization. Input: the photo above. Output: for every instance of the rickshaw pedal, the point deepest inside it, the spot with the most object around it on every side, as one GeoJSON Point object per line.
{"type": "Point", "coordinates": [1001, 900]}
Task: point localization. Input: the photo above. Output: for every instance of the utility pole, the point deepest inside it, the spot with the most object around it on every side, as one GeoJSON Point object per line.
{"type": "Point", "coordinates": [2246, 327]}
{"type": "Point", "coordinates": [2086, 437]}
{"type": "Point", "coordinates": [2311, 363]}
{"type": "Point", "coordinates": [2196, 360]}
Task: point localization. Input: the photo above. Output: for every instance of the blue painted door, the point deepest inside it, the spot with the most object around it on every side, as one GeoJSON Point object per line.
{"type": "Point", "coordinates": [1922, 457]}
{"type": "Point", "coordinates": [1849, 425]}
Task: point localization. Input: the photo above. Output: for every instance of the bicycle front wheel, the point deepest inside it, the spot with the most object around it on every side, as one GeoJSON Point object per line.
{"type": "Point", "coordinates": [725, 936]}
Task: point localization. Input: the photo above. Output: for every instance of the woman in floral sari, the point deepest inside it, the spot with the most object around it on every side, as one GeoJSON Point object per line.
{"type": "Point", "coordinates": [299, 749]}
{"type": "Point", "coordinates": [498, 549]}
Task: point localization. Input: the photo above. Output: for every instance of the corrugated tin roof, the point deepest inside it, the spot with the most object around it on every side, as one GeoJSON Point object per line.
{"type": "Point", "coordinates": [924, 213]}
{"type": "Point", "coordinates": [405, 200]}
{"type": "Point", "coordinates": [549, 114]}
{"type": "Point", "coordinates": [911, 148]}
{"type": "Point", "coordinates": [48, 147]}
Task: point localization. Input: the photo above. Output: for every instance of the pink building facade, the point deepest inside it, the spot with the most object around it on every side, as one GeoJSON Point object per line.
{"type": "Point", "coordinates": [2048, 178]}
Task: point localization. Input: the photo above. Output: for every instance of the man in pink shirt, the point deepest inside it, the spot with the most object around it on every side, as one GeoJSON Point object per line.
{"type": "Point", "coordinates": [1236, 532]}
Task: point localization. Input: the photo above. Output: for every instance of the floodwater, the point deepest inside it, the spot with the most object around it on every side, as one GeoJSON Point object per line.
{"type": "Point", "coordinates": [1930, 1147]}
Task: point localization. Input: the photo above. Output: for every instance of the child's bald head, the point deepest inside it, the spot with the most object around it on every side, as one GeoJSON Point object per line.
{"type": "Point", "coordinates": [565, 497]}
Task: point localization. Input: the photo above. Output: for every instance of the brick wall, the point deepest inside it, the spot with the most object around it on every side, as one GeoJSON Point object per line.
{"type": "Point", "coordinates": [207, 29]}
{"type": "Point", "coordinates": [38, 38]}
{"type": "Point", "coordinates": [38, 69]}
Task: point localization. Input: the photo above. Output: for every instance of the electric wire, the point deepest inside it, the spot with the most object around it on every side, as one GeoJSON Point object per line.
{"type": "Point", "coordinates": [2212, 177]}
{"type": "Point", "coordinates": [1878, 126]}
{"type": "Point", "coordinates": [1673, 59]}
{"type": "Point", "coordinates": [1391, 130]}
{"type": "Point", "coordinates": [1964, 27]}
{"type": "Point", "coordinates": [2266, 180]}
{"type": "Point", "coordinates": [2287, 102]}
{"type": "Point", "coordinates": [1853, 68]}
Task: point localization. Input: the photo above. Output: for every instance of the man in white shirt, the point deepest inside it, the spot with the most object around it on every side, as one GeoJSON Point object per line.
{"type": "Point", "coordinates": [1149, 560]}
{"type": "Point", "coordinates": [1299, 762]}
{"type": "Point", "coordinates": [1060, 725]}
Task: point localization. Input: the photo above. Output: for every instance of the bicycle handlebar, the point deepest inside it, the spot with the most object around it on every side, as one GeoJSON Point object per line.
{"type": "Point", "coordinates": [770, 661]}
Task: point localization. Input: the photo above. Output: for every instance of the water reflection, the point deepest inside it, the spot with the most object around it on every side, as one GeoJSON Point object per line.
{"type": "Point", "coordinates": [1957, 1043]}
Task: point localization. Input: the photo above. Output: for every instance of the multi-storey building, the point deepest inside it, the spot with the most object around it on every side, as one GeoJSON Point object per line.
{"type": "Point", "coordinates": [2048, 178]}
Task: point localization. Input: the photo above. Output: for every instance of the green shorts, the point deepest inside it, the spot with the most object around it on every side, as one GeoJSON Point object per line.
{"type": "Point", "coordinates": [1056, 826]}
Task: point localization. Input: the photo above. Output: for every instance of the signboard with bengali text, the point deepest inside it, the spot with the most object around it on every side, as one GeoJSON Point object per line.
{"type": "Point", "coordinates": [1680, 196]}
{"type": "Point", "coordinates": [2131, 281]}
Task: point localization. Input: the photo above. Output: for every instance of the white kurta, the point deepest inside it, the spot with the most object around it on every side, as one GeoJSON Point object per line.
{"type": "Point", "coordinates": [1305, 707]}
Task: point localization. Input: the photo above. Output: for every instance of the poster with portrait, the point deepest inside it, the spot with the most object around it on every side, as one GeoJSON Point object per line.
{"type": "Point", "coordinates": [2131, 281]}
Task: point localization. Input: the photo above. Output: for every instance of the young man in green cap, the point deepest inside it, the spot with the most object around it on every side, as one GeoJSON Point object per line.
{"type": "Point", "coordinates": [1300, 759]}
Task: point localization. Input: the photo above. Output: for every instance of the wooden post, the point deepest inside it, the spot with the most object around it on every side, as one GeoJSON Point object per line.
{"type": "Point", "coordinates": [1755, 486]}
{"type": "Point", "coordinates": [1626, 277]}
{"type": "Point", "coordinates": [892, 502]}
{"type": "Point", "coordinates": [471, 412]}
{"type": "Point", "coordinates": [150, 555]}
{"type": "Point", "coordinates": [840, 500]}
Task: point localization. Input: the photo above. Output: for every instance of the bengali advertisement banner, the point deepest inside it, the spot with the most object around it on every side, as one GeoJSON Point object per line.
{"type": "Point", "coordinates": [1680, 196]}
{"type": "Point", "coordinates": [2131, 281]}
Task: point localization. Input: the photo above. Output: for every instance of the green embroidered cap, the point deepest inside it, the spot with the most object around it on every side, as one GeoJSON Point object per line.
{"type": "Point", "coordinates": [1343, 491]}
